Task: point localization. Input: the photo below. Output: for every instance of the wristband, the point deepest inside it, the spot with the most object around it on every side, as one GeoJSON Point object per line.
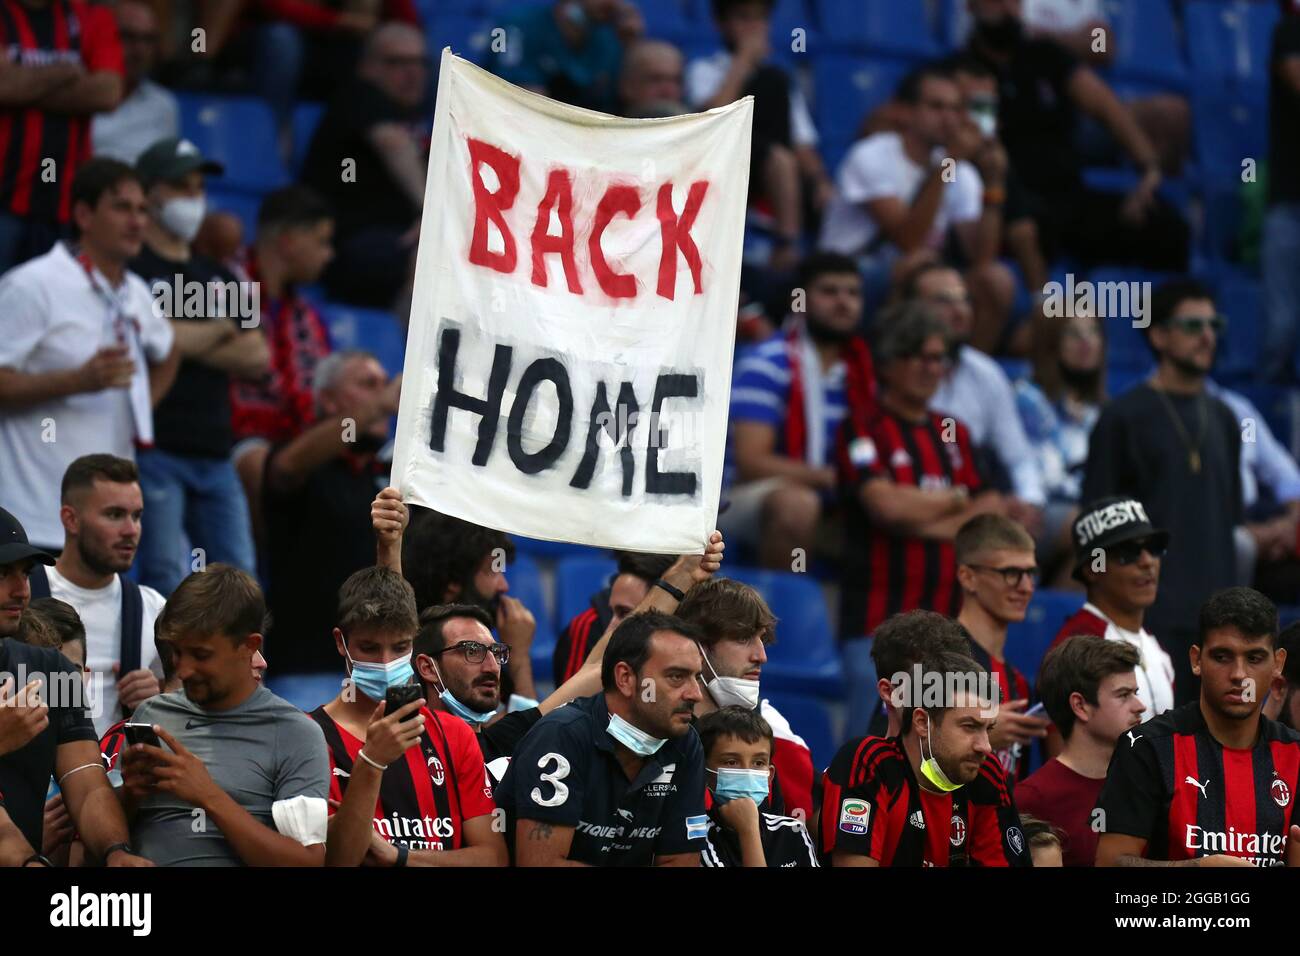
{"type": "Point", "coordinates": [378, 766]}
{"type": "Point", "coordinates": [123, 846]}
{"type": "Point", "coordinates": [38, 858]}
{"type": "Point", "coordinates": [679, 595]}
{"type": "Point", "coordinates": [402, 854]}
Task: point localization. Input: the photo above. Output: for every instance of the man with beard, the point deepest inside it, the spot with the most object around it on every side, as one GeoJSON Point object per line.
{"type": "Point", "coordinates": [460, 664]}
{"type": "Point", "coordinates": [1212, 782]}
{"type": "Point", "coordinates": [788, 398]}
{"type": "Point", "coordinates": [933, 796]}
{"type": "Point", "coordinates": [1177, 450]}
{"type": "Point", "coordinates": [101, 511]}
{"type": "Point", "coordinates": [317, 489]}
{"type": "Point", "coordinates": [616, 779]}
{"type": "Point", "coordinates": [975, 389]}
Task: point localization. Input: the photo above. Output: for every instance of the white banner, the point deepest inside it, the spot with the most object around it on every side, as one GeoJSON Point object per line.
{"type": "Point", "coordinates": [568, 365]}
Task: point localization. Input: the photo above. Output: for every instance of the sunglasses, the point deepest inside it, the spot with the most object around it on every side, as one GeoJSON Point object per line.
{"type": "Point", "coordinates": [1011, 576]}
{"type": "Point", "coordinates": [1196, 324]}
{"type": "Point", "coordinates": [475, 652]}
{"type": "Point", "coordinates": [1130, 551]}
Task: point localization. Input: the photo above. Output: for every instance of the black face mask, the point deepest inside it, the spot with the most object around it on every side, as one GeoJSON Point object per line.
{"type": "Point", "coordinates": [1079, 380]}
{"type": "Point", "coordinates": [1001, 34]}
{"type": "Point", "coordinates": [824, 335]}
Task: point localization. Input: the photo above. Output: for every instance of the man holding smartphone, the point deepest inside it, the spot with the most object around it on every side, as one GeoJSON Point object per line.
{"type": "Point", "coordinates": [243, 777]}
{"type": "Point", "coordinates": [407, 785]}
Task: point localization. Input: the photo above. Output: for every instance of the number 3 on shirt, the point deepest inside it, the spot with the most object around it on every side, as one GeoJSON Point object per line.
{"type": "Point", "coordinates": [553, 778]}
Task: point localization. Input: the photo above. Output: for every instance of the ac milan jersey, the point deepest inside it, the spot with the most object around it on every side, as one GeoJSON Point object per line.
{"type": "Point", "coordinates": [426, 795]}
{"type": "Point", "coordinates": [873, 806]}
{"type": "Point", "coordinates": [41, 150]}
{"type": "Point", "coordinates": [887, 573]}
{"type": "Point", "coordinates": [1172, 784]}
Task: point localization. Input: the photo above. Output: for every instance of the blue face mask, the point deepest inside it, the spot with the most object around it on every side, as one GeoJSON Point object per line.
{"type": "Point", "coordinates": [456, 707]}
{"type": "Point", "coordinates": [633, 738]}
{"type": "Point", "coordinates": [734, 783]}
{"type": "Point", "coordinates": [373, 680]}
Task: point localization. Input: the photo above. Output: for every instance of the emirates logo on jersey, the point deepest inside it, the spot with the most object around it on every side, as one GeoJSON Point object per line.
{"type": "Point", "coordinates": [957, 835]}
{"type": "Point", "coordinates": [1280, 792]}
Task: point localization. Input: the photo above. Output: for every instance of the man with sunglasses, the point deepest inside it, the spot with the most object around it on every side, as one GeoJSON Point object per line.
{"type": "Point", "coordinates": [997, 573]}
{"type": "Point", "coordinates": [1176, 449]}
{"type": "Point", "coordinates": [1117, 558]}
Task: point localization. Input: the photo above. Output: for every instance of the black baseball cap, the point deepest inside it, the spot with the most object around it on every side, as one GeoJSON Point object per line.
{"type": "Point", "coordinates": [13, 542]}
{"type": "Point", "coordinates": [172, 158]}
{"type": "Point", "coordinates": [1107, 522]}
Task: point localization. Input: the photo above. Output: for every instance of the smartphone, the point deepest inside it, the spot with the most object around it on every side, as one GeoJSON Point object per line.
{"type": "Point", "coordinates": [1038, 710]}
{"type": "Point", "coordinates": [141, 734]}
{"type": "Point", "coordinates": [400, 696]}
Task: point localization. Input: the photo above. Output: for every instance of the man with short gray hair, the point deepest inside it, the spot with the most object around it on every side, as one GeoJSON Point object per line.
{"type": "Point", "coordinates": [316, 493]}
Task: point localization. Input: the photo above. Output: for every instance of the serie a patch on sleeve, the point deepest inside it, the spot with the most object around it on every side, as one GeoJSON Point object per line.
{"type": "Point", "coordinates": [697, 827]}
{"type": "Point", "coordinates": [862, 452]}
{"type": "Point", "coordinates": [854, 815]}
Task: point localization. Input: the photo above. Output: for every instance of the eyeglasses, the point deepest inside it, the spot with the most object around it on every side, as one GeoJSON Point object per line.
{"type": "Point", "coordinates": [1196, 324]}
{"type": "Point", "coordinates": [1130, 551]}
{"type": "Point", "coordinates": [475, 652]}
{"type": "Point", "coordinates": [1011, 577]}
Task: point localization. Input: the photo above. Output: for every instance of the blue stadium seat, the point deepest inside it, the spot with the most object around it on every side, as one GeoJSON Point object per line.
{"type": "Point", "coordinates": [525, 579]}
{"type": "Point", "coordinates": [1280, 407]}
{"type": "Point", "coordinates": [666, 19]}
{"type": "Point", "coordinates": [304, 691]}
{"type": "Point", "coordinates": [879, 26]}
{"type": "Point", "coordinates": [1228, 126]}
{"type": "Point", "coordinates": [353, 327]}
{"type": "Point", "coordinates": [468, 36]}
{"type": "Point", "coordinates": [239, 132]}
{"type": "Point", "coordinates": [805, 658]}
{"type": "Point", "coordinates": [1240, 298]}
{"type": "Point", "coordinates": [1229, 38]}
{"type": "Point", "coordinates": [810, 718]}
{"type": "Point", "coordinates": [306, 117]}
{"type": "Point", "coordinates": [1145, 37]}
{"type": "Point", "coordinates": [1125, 345]}
{"type": "Point", "coordinates": [242, 204]}
{"type": "Point", "coordinates": [551, 549]}
{"type": "Point", "coordinates": [1028, 641]}
{"type": "Point", "coordinates": [847, 88]}
{"type": "Point", "coordinates": [577, 578]}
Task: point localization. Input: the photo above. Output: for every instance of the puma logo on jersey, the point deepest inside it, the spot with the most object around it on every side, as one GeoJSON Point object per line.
{"type": "Point", "coordinates": [1133, 740]}
{"type": "Point", "coordinates": [340, 772]}
{"type": "Point", "coordinates": [1197, 784]}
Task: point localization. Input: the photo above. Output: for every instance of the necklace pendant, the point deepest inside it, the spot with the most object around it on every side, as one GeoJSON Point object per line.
{"type": "Point", "coordinates": [1194, 460]}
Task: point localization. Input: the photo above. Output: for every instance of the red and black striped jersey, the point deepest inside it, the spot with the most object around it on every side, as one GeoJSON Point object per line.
{"type": "Point", "coordinates": [111, 745]}
{"type": "Point", "coordinates": [1173, 784]}
{"type": "Point", "coordinates": [1012, 685]}
{"type": "Point", "coordinates": [575, 642]}
{"type": "Point", "coordinates": [873, 806]}
{"type": "Point", "coordinates": [425, 796]}
{"type": "Point", "coordinates": [63, 31]}
{"type": "Point", "coordinates": [886, 573]}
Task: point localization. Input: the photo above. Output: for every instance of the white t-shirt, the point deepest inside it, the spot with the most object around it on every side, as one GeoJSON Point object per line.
{"type": "Point", "coordinates": [149, 114]}
{"type": "Point", "coordinates": [53, 319]}
{"type": "Point", "coordinates": [877, 168]}
{"type": "Point", "coordinates": [101, 615]}
{"type": "Point", "coordinates": [1155, 672]}
{"type": "Point", "coordinates": [705, 75]}
{"type": "Point", "coordinates": [1043, 16]}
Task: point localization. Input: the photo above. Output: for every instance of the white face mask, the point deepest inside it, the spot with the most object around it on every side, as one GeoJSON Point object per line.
{"type": "Point", "coordinates": [182, 217]}
{"type": "Point", "coordinates": [730, 691]}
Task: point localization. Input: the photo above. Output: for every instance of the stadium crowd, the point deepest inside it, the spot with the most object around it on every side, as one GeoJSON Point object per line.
{"type": "Point", "coordinates": [225, 639]}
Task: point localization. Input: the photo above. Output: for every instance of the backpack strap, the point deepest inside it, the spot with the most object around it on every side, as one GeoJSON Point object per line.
{"type": "Point", "coordinates": [132, 626]}
{"type": "Point", "coordinates": [38, 581]}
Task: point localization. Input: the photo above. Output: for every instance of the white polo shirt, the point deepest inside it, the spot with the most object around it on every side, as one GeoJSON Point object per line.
{"type": "Point", "coordinates": [53, 319]}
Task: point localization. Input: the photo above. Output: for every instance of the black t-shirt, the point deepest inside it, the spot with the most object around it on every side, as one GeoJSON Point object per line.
{"type": "Point", "coordinates": [498, 740]}
{"type": "Point", "coordinates": [317, 535]}
{"type": "Point", "coordinates": [25, 773]}
{"type": "Point", "coordinates": [566, 773]}
{"type": "Point", "coordinates": [1036, 116]}
{"type": "Point", "coordinates": [194, 416]}
{"type": "Point", "coordinates": [374, 198]}
{"type": "Point", "coordinates": [785, 840]}
{"type": "Point", "coordinates": [1284, 117]}
{"type": "Point", "coordinates": [1136, 451]}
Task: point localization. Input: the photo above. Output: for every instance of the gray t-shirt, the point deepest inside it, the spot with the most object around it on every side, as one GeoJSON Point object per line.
{"type": "Point", "coordinates": [261, 752]}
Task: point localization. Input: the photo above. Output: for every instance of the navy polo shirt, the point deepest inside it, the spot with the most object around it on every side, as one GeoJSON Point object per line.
{"type": "Point", "coordinates": [565, 773]}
